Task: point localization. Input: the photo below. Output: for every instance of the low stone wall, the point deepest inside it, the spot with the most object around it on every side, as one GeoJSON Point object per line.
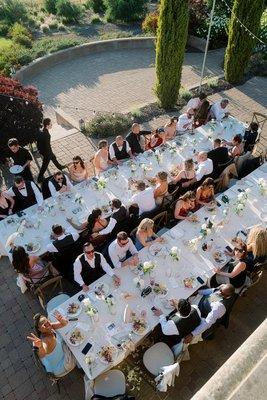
{"type": "Point", "coordinates": [82, 50]}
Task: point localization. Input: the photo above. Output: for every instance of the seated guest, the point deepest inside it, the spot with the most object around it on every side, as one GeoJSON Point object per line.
{"type": "Point", "coordinates": [93, 226]}
{"type": "Point", "coordinates": [121, 249]}
{"type": "Point", "coordinates": [90, 266]}
{"type": "Point", "coordinates": [22, 157]}
{"type": "Point", "coordinates": [77, 170]}
{"type": "Point", "coordinates": [181, 324]}
{"type": "Point", "coordinates": [144, 199]}
{"type": "Point", "coordinates": [119, 150]}
{"type": "Point", "coordinates": [257, 243]}
{"type": "Point", "coordinates": [250, 136]}
{"type": "Point", "coordinates": [161, 189]}
{"type": "Point", "coordinates": [170, 128]}
{"type": "Point", "coordinates": [6, 205]}
{"type": "Point", "coordinates": [213, 306]}
{"type": "Point", "coordinates": [201, 116]}
{"type": "Point", "coordinates": [234, 272]}
{"type": "Point", "coordinates": [205, 167]}
{"type": "Point", "coordinates": [184, 206]}
{"type": "Point", "coordinates": [219, 110]}
{"type": "Point", "coordinates": [61, 239]}
{"type": "Point", "coordinates": [119, 215]}
{"type": "Point", "coordinates": [186, 173]}
{"type": "Point", "coordinates": [157, 138]}
{"type": "Point", "coordinates": [185, 121]}
{"type": "Point", "coordinates": [205, 192]}
{"type": "Point", "coordinates": [59, 183]}
{"type": "Point", "coordinates": [101, 160]}
{"type": "Point", "coordinates": [196, 102]}
{"type": "Point", "coordinates": [145, 236]}
{"type": "Point", "coordinates": [31, 267]}
{"type": "Point", "coordinates": [133, 138]}
{"type": "Point", "coordinates": [25, 194]}
{"type": "Point", "coordinates": [56, 358]}
{"type": "Point", "coordinates": [237, 146]}
{"type": "Point", "coordinates": [219, 156]}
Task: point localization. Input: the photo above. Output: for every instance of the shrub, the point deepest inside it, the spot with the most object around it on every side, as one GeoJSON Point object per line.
{"type": "Point", "coordinates": [105, 125]}
{"type": "Point", "coordinates": [14, 57]}
{"type": "Point", "coordinates": [95, 20]}
{"type": "Point", "coordinates": [185, 94]}
{"type": "Point", "coordinates": [125, 10]}
{"type": "Point", "coordinates": [50, 6]}
{"type": "Point", "coordinates": [97, 6]}
{"type": "Point", "coordinates": [212, 82]}
{"type": "Point", "coordinates": [61, 27]}
{"type": "Point", "coordinates": [70, 11]}
{"type": "Point", "coordinates": [150, 23]}
{"type": "Point", "coordinates": [53, 25]}
{"type": "Point", "coordinates": [13, 11]}
{"type": "Point", "coordinates": [42, 19]}
{"type": "Point", "coordinates": [45, 28]}
{"type": "Point", "coordinates": [115, 35]}
{"type": "Point", "coordinates": [4, 28]}
{"type": "Point", "coordinates": [20, 35]}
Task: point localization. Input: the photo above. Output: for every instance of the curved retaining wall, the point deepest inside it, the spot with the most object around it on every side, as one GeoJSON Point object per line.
{"type": "Point", "coordinates": [82, 50]}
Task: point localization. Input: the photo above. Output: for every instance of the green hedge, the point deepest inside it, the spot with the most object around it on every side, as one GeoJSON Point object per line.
{"type": "Point", "coordinates": [105, 125]}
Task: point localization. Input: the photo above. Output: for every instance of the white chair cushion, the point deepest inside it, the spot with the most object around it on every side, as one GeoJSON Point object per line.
{"type": "Point", "coordinates": [156, 357]}
{"type": "Point", "coordinates": [56, 301]}
{"type": "Point", "coordinates": [110, 384]}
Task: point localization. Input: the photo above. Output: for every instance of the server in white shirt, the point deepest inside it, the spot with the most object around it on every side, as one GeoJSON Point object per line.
{"type": "Point", "coordinates": [62, 239]}
{"type": "Point", "coordinates": [90, 266]}
{"type": "Point", "coordinates": [213, 306]}
{"type": "Point", "coordinates": [25, 194]}
{"type": "Point", "coordinates": [204, 168]}
{"type": "Point", "coordinates": [121, 249]}
{"type": "Point", "coordinates": [59, 183]}
{"type": "Point", "coordinates": [219, 110]}
{"type": "Point", "coordinates": [185, 121]}
{"type": "Point", "coordinates": [144, 199]}
{"type": "Point", "coordinates": [196, 102]}
{"type": "Point", "coordinates": [119, 150]}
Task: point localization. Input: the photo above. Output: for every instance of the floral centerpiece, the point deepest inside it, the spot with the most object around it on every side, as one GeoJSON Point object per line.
{"type": "Point", "coordinates": [206, 228]}
{"type": "Point", "coordinates": [193, 244]}
{"type": "Point", "coordinates": [101, 183]}
{"type": "Point", "coordinates": [240, 204]}
{"type": "Point", "coordinates": [175, 253]}
{"type": "Point", "coordinates": [262, 186]}
{"type": "Point", "coordinates": [173, 148]}
{"type": "Point", "coordinates": [78, 198]}
{"type": "Point", "coordinates": [21, 227]}
{"type": "Point", "coordinates": [145, 168]}
{"type": "Point", "coordinates": [146, 267]}
{"type": "Point", "coordinates": [158, 156]}
{"type": "Point", "coordinates": [110, 302]}
{"type": "Point", "coordinates": [89, 309]}
{"type": "Point", "coordinates": [139, 283]}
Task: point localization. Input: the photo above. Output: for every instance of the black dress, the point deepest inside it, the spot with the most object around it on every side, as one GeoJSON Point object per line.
{"type": "Point", "coordinates": [4, 211]}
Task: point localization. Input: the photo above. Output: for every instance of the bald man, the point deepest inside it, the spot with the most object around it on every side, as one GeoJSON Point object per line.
{"type": "Point", "coordinates": [133, 138]}
{"type": "Point", "coordinates": [119, 150]}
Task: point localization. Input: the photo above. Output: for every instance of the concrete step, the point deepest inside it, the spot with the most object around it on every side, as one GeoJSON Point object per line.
{"type": "Point", "coordinates": [60, 132]}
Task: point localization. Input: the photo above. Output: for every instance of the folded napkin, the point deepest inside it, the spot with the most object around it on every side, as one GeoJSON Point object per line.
{"type": "Point", "coordinates": [167, 376]}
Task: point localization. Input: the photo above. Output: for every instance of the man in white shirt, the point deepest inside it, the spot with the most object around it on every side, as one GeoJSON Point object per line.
{"type": "Point", "coordinates": [185, 121]}
{"type": "Point", "coordinates": [90, 266]}
{"type": "Point", "coordinates": [119, 214]}
{"type": "Point", "coordinates": [205, 167]}
{"type": "Point", "coordinates": [59, 183]}
{"type": "Point", "coordinates": [62, 239]}
{"type": "Point", "coordinates": [119, 150]}
{"type": "Point", "coordinates": [196, 102]}
{"type": "Point", "coordinates": [122, 248]}
{"type": "Point", "coordinates": [213, 306]}
{"type": "Point", "coordinates": [25, 194]}
{"type": "Point", "coordinates": [219, 110]}
{"type": "Point", "coordinates": [144, 199]}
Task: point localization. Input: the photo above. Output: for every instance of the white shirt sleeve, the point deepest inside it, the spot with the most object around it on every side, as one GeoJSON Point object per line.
{"type": "Point", "coordinates": [38, 194]}
{"type": "Point", "coordinates": [51, 248]}
{"type": "Point", "coordinates": [217, 311]}
{"type": "Point", "coordinates": [114, 256]}
{"type": "Point", "coordinates": [110, 227]}
{"type": "Point", "coordinates": [10, 192]}
{"type": "Point", "coordinates": [105, 266]}
{"type": "Point", "coordinates": [69, 184]}
{"type": "Point", "coordinates": [52, 189]}
{"type": "Point", "coordinates": [77, 269]}
{"type": "Point", "coordinates": [111, 152]}
{"type": "Point", "coordinates": [200, 172]}
{"type": "Point", "coordinates": [168, 327]}
{"type": "Point", "coordinates": [128, 149]}
{"type": "Point", "coordinates": [132, 248]}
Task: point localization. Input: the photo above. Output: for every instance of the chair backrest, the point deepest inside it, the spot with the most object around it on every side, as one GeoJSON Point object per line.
{"type": "Point", "coordinates": [45, 188]}
{"type": "Point", "coordinates": [160, 221]}
{"type": "Point", "coordinates": [51, 284]}
{"type": "Point", "coordinates": [260, 147]}
{"type": "Point", "coordinates": [133, 233]}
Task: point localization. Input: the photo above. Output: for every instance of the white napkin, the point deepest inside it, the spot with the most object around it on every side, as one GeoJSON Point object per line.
{"type": "Point", "coordinates": [83, 326]}
{"type": "Point", "coordinates": [167, 376]}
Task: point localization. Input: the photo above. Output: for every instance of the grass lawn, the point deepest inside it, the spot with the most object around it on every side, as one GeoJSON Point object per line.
{"type": "Point", "coordinates": [4, 43]}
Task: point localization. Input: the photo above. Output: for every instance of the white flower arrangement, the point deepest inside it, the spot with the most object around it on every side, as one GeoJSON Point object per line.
{"type": "Point", "coordinates": [193, 243]}
{"type": "Point", "coordinates": [78, 198]}
{"type": "Point", "coordinates": [240, 204]}
{"type": "Point", "coordinates": [139, 283]}
{"type": "Point", "coordinates": [175, 253]}
{"type": "Point", "coordinates": [101, 183]}
{"type": "Point", "coordinates": [21, 227]}
{"type": "Point", "coordinates": [172, 148]}
{"type": "Point", "coordinates": [144, 167]}
{"type": "Point", "coordinates": [89, 309]}
{"type": "Point", "coordinates": [262, 186]}
{"type": "Point", "coordinates": [110, 301]}
{"type": "Point", "coordinates": [158, 156]}
{"type": "Point", "coordinates": [146, 267]}
{"type": "Point", "coordinates": [206, 229]}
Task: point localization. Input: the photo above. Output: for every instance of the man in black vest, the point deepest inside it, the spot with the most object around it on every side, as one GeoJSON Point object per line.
{"type": "Point", "coordinates": [213, 305]}
{"type": "Point", "coordinates": [180, 324]}
{"type": "Point", "coordinates": [44, 147]}
{"type": "Point", "coordinates": [219, 156]}
{"type": "Point", "coordinates": [133, 138]}
{"type": "Point", "coordinates": [59, 183]}
{"type": "Point", "coordinates": [119, 150]}
{"type": "Point", "coordinates": [62, 240]}
{"type": "Point", "coordinates": [25, 194]}
{"type": "Point", "coordinates": [119, 214]}
{"type": "Point", "coordinates": [90, 266]}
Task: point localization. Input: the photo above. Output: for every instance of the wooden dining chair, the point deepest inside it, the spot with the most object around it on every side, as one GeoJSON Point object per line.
{"type": "Point", "coordinates": [160, 220]}
{"type": "Point", "coordinates": [46, 289]}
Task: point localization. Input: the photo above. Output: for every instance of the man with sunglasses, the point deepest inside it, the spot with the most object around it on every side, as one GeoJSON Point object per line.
{"type": "Point", "coordinates": [90, 266]}
{"type": "Point", "coordinates": [185, 121]}
{"type": "Point", "coordinates": [59, 183]}
{"type": "Point", "coordinates": [121, 249]}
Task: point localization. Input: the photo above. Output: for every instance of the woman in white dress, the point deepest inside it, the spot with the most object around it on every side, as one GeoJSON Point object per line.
{"type": "Point", "coordinates": [101, 160]}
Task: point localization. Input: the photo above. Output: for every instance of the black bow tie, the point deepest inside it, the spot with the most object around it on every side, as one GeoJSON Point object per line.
{"type": "Point", "coordinates": [22, 188]}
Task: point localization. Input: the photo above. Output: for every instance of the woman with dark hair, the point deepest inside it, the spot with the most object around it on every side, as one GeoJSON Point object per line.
{"type": "Point", "coordinates": [237, 147]}
{"type": "Point", "coordinates": [205, 192]}
{"type": "Point", "coordinates": [51, 350]}
{"type": "Point", "coordinates": [32, 268]}
{"type": "Point", "coordinates": [201, 115]}
{"type": "Point", "coordinates": [234, 272]}
{"type": "Point", "coordinates": [185, 205]}
{"type": "Point", "coordinates": [78, 171]}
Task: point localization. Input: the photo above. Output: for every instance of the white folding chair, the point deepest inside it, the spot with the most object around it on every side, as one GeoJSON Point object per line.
{"type": "Point", "coordinates": [109, 384]}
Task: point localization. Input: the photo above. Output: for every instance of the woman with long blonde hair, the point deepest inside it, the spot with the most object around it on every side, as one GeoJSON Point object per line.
{"type": "Point", "coordinates": [145, 235]}
{"type": "Point", "coordinates": [257, 243]}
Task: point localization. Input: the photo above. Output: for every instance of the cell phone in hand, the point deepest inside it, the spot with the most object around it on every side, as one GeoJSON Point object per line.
{"type": "Point", "coordinates": [86, 348]}
{"type": "Point", "coordinates": [228, 248]}
{"type": "Point", "coordinates": [200, 280]}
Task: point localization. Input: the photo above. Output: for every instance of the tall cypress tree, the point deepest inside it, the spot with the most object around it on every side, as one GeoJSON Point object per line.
{"type": "Point", "coordinates": [171, 42]}
{"type": "Point", "coordinates": [240, 43]}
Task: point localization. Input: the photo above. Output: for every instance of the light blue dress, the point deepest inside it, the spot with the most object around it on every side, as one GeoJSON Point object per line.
{"type": "Point", "coordinates": [54, 362]}
{"type": "Point", "coordinates": [139, 245]}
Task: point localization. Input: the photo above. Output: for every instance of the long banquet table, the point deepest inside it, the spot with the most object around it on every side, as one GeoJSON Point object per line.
{"type": "Point", "coordinates": [192, 264]}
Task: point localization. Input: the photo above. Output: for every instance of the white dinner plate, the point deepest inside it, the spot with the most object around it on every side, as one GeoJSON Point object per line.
{"type": "Point", "coordinates": [79, 342]}
{"type": "Point", "coordinates": [114, 355]}
{"type": "Point", "coordinates": [36, 247]}
{"type": "Point", "coordinates": [78, 312]}
{"type": "Point", "coordinates": [222, 256]}
{"type": "Point", "coordinates": [141, 333]}
{"type": "Point", "coordinates": [16, 169]}
{"type": "Point", "coordinates": [157, 249]}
